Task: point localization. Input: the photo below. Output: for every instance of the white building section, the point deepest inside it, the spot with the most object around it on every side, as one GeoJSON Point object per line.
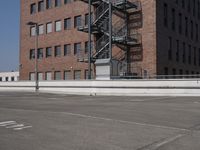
{"type": "Point", "coordinates": [9, 76]}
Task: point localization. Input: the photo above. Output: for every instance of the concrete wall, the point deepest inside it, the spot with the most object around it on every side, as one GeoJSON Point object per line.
{"type": "Point", "coordinates": [120, 88]}
{"type": "Point", "coordinates": [7, 76]}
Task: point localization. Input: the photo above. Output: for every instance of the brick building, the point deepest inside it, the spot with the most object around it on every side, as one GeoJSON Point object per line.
{"type": "Point", "coordinates": [168, 41]}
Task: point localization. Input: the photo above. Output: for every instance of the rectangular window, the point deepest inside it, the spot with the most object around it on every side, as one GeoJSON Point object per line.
{"type": "Point", "coordinates": [48, 76]}
{"type": "Point", "coordinates": [67, 49]}
{"type": "Point", "coordinates": [189, 6]}
{"type": "Point", "coordinates": [67, 23]}
{"type": "Point", "coordinates": [0, 79]}
{"type": "Point", "coordinates": [190, 54]}
{"type": "Point", "coordinates": [57, 3]}
{"type": "Point", "coordinates": [77, 21]}
{"type": "Point", "coordinates": [67, 1]}
{"type": "Point", "coordinates": [166, 72]}
{"type": "Point", "coordinates": [32, 54]}
{"type": "Point", "coordinates": [183, 4]}
{"type": "Point", "coordinates": [40, 53]}
{"type": "Point", "coordinates": [33, 8]}
{"type": "Point", "coordinates": [180, 23]}
{"type": "Point", "coordinates": [48, 52]}
{"type": "Point", "coordinates": [86, 19]}
{"type": "Point", "coordinates": [165, 15]}
{"type": "Point", "coordinates": [32, 76]}
{"type": "Point", "coordinates": [198, 6]}
{"type": "Point", "coordinates": [77, 48]}
{"type": "Point", "coordinates": [184, 51]}
{"type": "Point", "coordinates": [195, 61]}
{"type": "Point", "coordinates": [40, 6]}
{"type": "Point", "coordinates": [58, 26]}
{"type": "Point", "coordinates": [48, 4]}
{"type": "Point", "coordinates": [194, 8]}
{"type": "Point", "coordinates": [57, 75]}
{"type": "Point", "coordinates": [197, 32]}
{"type": "Point", "coordinates": [86, 74]}
{"type": "Point", "coordinates": [33, 31]}
{"type": "Point", "coordinates": [41, 29]}
{"type": "Point", "coordinates": [40, 76]}
{"type": "Point", "coordinates": [199, 57]}
{"type": "Point", "coordinates": [186, 26]}
{"type": "Point", "coordinates": [57, 51]}
{"type": "Point", "coordinates": [77, 74]}
{"type": "Point", "coordinates": [192, 29]}
{"type": "Point", "coordinates": [67, 75]}
{"type": "Point", "coordinates": [49, 27]}
{"type": "Point", "coordinates": [177, 50]}
{"type": "Point", "coordinates": [170, 48]}
{"type": "Point", "coordinates": [173, 20]}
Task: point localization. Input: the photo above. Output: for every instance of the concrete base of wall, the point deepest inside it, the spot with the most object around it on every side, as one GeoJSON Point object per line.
{"type": "Point", "coordinates": [112, 88]}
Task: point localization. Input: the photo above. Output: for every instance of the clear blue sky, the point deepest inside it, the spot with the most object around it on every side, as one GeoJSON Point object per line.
{"type": "Point", "coordinates": [9, 35]}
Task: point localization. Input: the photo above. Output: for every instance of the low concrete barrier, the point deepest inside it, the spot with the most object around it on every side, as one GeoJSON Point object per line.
{"type": "Point", "coordinates": [190, 87]}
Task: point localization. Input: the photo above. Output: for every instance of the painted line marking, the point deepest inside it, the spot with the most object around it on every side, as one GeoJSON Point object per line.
{"type": "Point", "coordinates": [6, 123]}
{"type": "Point", "coordinates": [20, 128]}
{"type": "Point", "coordinates": [129, 122]}
{"type": "Point", "coordinates": [168, 141]}
{"type": "Point", "coordinates": [15, 126]}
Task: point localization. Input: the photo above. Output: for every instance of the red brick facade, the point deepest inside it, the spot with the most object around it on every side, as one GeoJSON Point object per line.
{"type": "Point", "coordinates": [154, 38]}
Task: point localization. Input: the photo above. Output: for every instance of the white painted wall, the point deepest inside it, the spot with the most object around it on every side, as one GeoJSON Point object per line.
{"type": "Point", "coordinates": [120, 88]}
{"type": "Point", "coordinates": [9, 75]}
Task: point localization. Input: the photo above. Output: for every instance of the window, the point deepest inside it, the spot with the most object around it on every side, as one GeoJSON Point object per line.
{"type": "Point", "coordinates": [199, 57]}
{"type": "Point", "coordinates": [198, 6]}
{"type": "Point", "coordinates": [166, 71]}
{"type": "Point", "coordinates": [41, 29]}
{"type": "Point", "coordinates": [48, 52]}
{"type": "Point", "coordinates": [48, 4]}
{"type": "Point", "coordinates": [57, 51]}
{"type": "Point", "coordinates": [12, 78]}
{"type": "Point", "coordinates": [180, 23]}
{"type": "Point", "coordinates": [40, 53]}
{"type": "Point", "coordinates": [67, 49]}
{"type": "Point", "coordinates": [77, 74]}
{"type": "Point", "coordinates": [195, 63]}
{"type": "Point", "coordinates": [57, 75]}
{"type": "Point", "coordinates": [170, 48]}
{"type": "Point", "coordinates": [192, 29]}
{"type": "Point", "coordinates": [186, 26]}
{"type": "Point", "coordinates": [31, 76]}
{"type": "Point", "coordinates": [177, 50]}
{"type": "Point", "coordinates": [194, 8]}
{"type": "Point", "coordinates": [173, 20]}
{"type": "Point", "coordinates": [58, 26]}
{"type": "Point", "coordinates": [40, 76]}
{"type": "Point", "coordinates": [183, 3]}
{"type": "Point", "coordinates": [189, 6]}
{"type": "Point", "coordinates": [184, 51]}
{"type": "Point", "coordinates": [174, 71]}
{"type": "Point", "coordinates": [7, 79]}
{"type": "Point", "coordinates": [67, 24]}
{"type": "Point", "coordinates": [33, 8]}
{"type": "Point", "coordinates": [32, 54]}
{"type": "Point", "coordinates": [67, 1]}
{"type": "Point", "coordinates": [33, 31]}
{"type": "Point", "coordinates": [86, 74]}
{"type": "Point", "coordinates": [77, 48]}
{"type": "Point", "coordinates": [40, 6]}
{"type": "Point", "coordinates": [49, 27]}
{"type": "Point", "coordinates": [0, 79]}
{"type": "Point", "coordinates": [86, 19]}
{"type": "Point", "coordinates": [77, 21]}
{"type": "Point", "coordinates": [48, 76]}
{"type": "Point", "coordinates": [165, 15]}
{"type": "Point", "coordinates": [57, 3]}
{"type": "Point", "coordinates": [197, 32]}
{"type": "Point", "coordinates": [190, 54]}
{"type": "Point", "coordinates": [86, 47]}
{"type": "Point", "coordinates": [67, 75]}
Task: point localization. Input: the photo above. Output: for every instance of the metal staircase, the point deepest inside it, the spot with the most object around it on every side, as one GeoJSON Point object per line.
{"type": "Point", "coordinates": [100, 26]}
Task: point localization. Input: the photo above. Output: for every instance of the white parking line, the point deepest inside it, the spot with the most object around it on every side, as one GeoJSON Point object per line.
{"type": "Point", "coordinates": [15, 126]}
{"type": "Point", "coordinates": [20, 128]}
{"type": "Point", "coordinates": [6, 123]}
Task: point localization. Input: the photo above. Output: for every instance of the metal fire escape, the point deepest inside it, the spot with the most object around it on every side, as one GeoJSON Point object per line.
{"type": "Point", "coordinates": [108, 31]}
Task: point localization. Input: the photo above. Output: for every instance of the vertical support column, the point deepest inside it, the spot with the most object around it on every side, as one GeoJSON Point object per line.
{"type": "Point", "coordinates": [89, 41]}
{"type": "Point", "coordinates": [36, 58]}
{"type": "Point", "coordinates": [110, 35]}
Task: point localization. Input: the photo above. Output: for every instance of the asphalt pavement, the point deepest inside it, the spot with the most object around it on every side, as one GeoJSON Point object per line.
{"type": "Point", "coordinates": [39, 121]}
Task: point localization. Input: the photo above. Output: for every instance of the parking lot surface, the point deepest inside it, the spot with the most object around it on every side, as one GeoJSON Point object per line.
{"type": "Point", "coordinates": [39, 121]}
